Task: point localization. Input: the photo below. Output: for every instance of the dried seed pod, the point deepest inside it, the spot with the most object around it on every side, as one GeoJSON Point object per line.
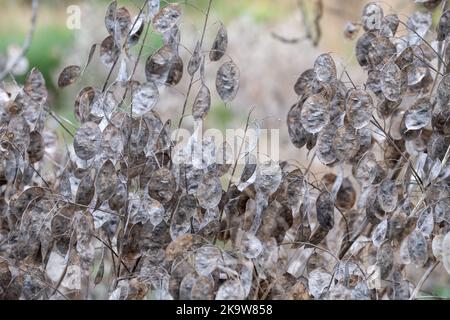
{"type": "Point", "coordinates": [418, 25]}
{"type": "Point", "coordinates": [230, 290]}
{"type": "Point", "coordinates": [167, 18]}
{"type": "Point", "coordinates": [314, 113]}
{"type": "Point", "coordinates": [359, 107]}
{"type": "Point", "coordinates": [220, 44]}
{"type": "Point", "coordinates": [209, 192]}
{"type": "Point", "coordinates": [35, 87]}
{"type": "Point", "coordinates": [363, 46]}
{"type": "Point", "coordinates": [303, 86]}
{"type": "Point", "coordinates": [380, 233]}
{"type": "Point", "coordinates": [387, 195]}
{"type": "Point", "coordinates": [159, 65]}
{"type": "Point", "coordinates": [175, 71]}
{"type": "Point", "coordinates": [181, 219]}
{"type": "Point", "coordinates": [202, 103]}
{"type": "Point", "coordinates": [87, 140]}
{"type": "Point", "coordinates": [346, 143]}
{"type": "Point", "coordinates": [85, 191]}
{"type": "Point", "coordinates": [393, 82]}
{"type": "Point", "coordinates": [249, 168]}
{"type": "Point", "coordinates": [443, 92]}
{"type": "Point", "coordinates": [251, 246]}
{"type": "Point", "coordinates": [417, 248]}
{"type": "Point", "coordinates": [145, 97]}
{"type": "Point", "coordinates": [109, 51]}
{"type": "Point", "coordinates": [195, 60]}
{"type": "Point", "coordinates": [385, 259]}
{"type": "Point", "coordinates": [419, 115]}
{"type": "Point", "coordinates": [325, 68]}
{"type": "Point", "coordinates": [446, 252]}
{"type": "Point", "coordinates": [69, 76]}
{"type": "Point", "coordinates": [268, 178]}
{"type": "Point", "coordinates": [297, 133]}
{"type": "Point", "coordinates": [325, 210]}
{"type": "Point", "coordinates": [389, 25]}
{"type": "Point", "coordinates": [36, 148]}
{"type": "Point", "coordinates": [318, 282]}
{"type": "Point", "coordinates": [105, 182]}
{"type": "Point", "coordinates": [325, 151]}
{"type": "Point", "coordinates": [207, 259]}
{"type": "Point", "coordinates": [372, 17]}
{"type": "Point", "coordinates": [443, 27]}
{"type": "Point", "coordinates": [351, 30]}
{"type": "Point", "coordinates": [425, 223]}
{"type": "Point", "coordinates": [227, 81]}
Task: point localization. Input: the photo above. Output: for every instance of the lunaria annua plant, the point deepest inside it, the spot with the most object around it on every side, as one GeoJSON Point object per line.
{"type": "Point", "coordinates": [125, 209]}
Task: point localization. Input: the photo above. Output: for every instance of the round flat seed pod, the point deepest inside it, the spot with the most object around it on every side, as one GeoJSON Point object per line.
{"type": "Point", "coordinates": [209, 192]}
{"type": "Point", "coordinates": [145, 97]}
{"type": "Point", "coordinates": [314, 113]}
{"type": "Point", "coordinates": [325, 68]}
{"type": "Point", "coordinates": [202, 103]}
{"type": "Point", "coordinates": [387, 195]}
{"type": "Point", "coordinates": [87, 141]}
{"type": "Point", "coordinates": [220, 45]}
{"type": "Point", "coordinates": [69, 76]}
{"type": "Point", "coordinates": [303, 86]}
{"type": "Point", "coordinates": [297, 134]}
{"type": "Point", "coordinates": [167, 18]}
{"type": "Point", "coordinates": [325, 210]}
{"type": "Point", "coordinates": [162, 185]}
{"type": "Point", "coordinates": [359, 107]}
{"type": "Point", "coordinates": [417, 248]}
{"type": "Point", "coordinates": [346, 143]}
{"type": "Point", "coordinates": [372, 17]}
{"type": "Point", "coordinates": [385, 259]}
{"type": "Point", "coordinates": [393, 82]}
{"type": "Point", "coordinates": [418, 115]}
{"type": "Point", "coordinates": [325, 151]}
{"type": "Point", "coordinates": [227, 81]}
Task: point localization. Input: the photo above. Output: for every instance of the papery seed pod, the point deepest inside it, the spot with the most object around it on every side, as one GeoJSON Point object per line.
{"type": "Point", "coordinates": [372, 17]}
{"type": "Point", "coordinates": [69, 76]}
{"type": "Point", "coordinates": [314, 115]}
{"type": "Point", "coordinates": [251, 246]}
{"type": "Point", "coordinates": [220, 45]}
{"type": "Point", "coordinates": [109, 51]}
{"type": "Point", "coordinates": [230, 290]}
{"type": "Point", "coordinates": [87, 141]}
{"type": "Point", "coordinates": [393, 82]}
{"type": "Point", "coordinates": [387, 195]}
{"type": "Point", "coordinates": [206, 260]}
{"type": "Point", "coordinates": [443, 92]}
{"type": "Point", "coordinates": [36, 147]}
{"type": "Point", "coordinates": [359, 107]}
{"type": "Point", "coordinates": [209, 192]}
{"type": "Point", "coordinates": [227, 81]}
{"type": "Point", "coordinates": [418, 25]}
{"type": "Point", "coordinates": [85, 192]}
{"type": "Point", "coordinates": [105, 182]}
{"type": "Point", "coordinates": [195, 60]}
{"type": "Point", "coordinates": [419, 115]}
{"type": "Point", "coordinates": [346, 143]}
{"type": "Point", "coordinates": [303, 86]}
{"type": "Point", "coordinates": [363, 46]}
{"type": "Point", "coordinates": [158, 65]}
{"type": "Point", "coordinates": [445, 249]}
{"type": "Point", "coordinates": [325, 68]}
{"type": "Point", "coordinates": [417, 248]}
{"type": "Point", "coordinates": [443, 27]}
{"type": "Point", "coordinates": [145, 97]}
{"type": "Point", "coordinates": [297, 133]}
{"type": "Point", "coordinates": [385, 259]}
{"type": "Point", "coordinates": [35, 87]}
{"type": "Point", "coordinates": [167, 18]}
{"type": "Point", "coordinates": [389, 25]}
{"type": "Point", "coordinates": [325, 151]}
{"type": "Point", "coordinates": [325, 210]}
{"type": "Point", "coordinates": [202, 103]}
